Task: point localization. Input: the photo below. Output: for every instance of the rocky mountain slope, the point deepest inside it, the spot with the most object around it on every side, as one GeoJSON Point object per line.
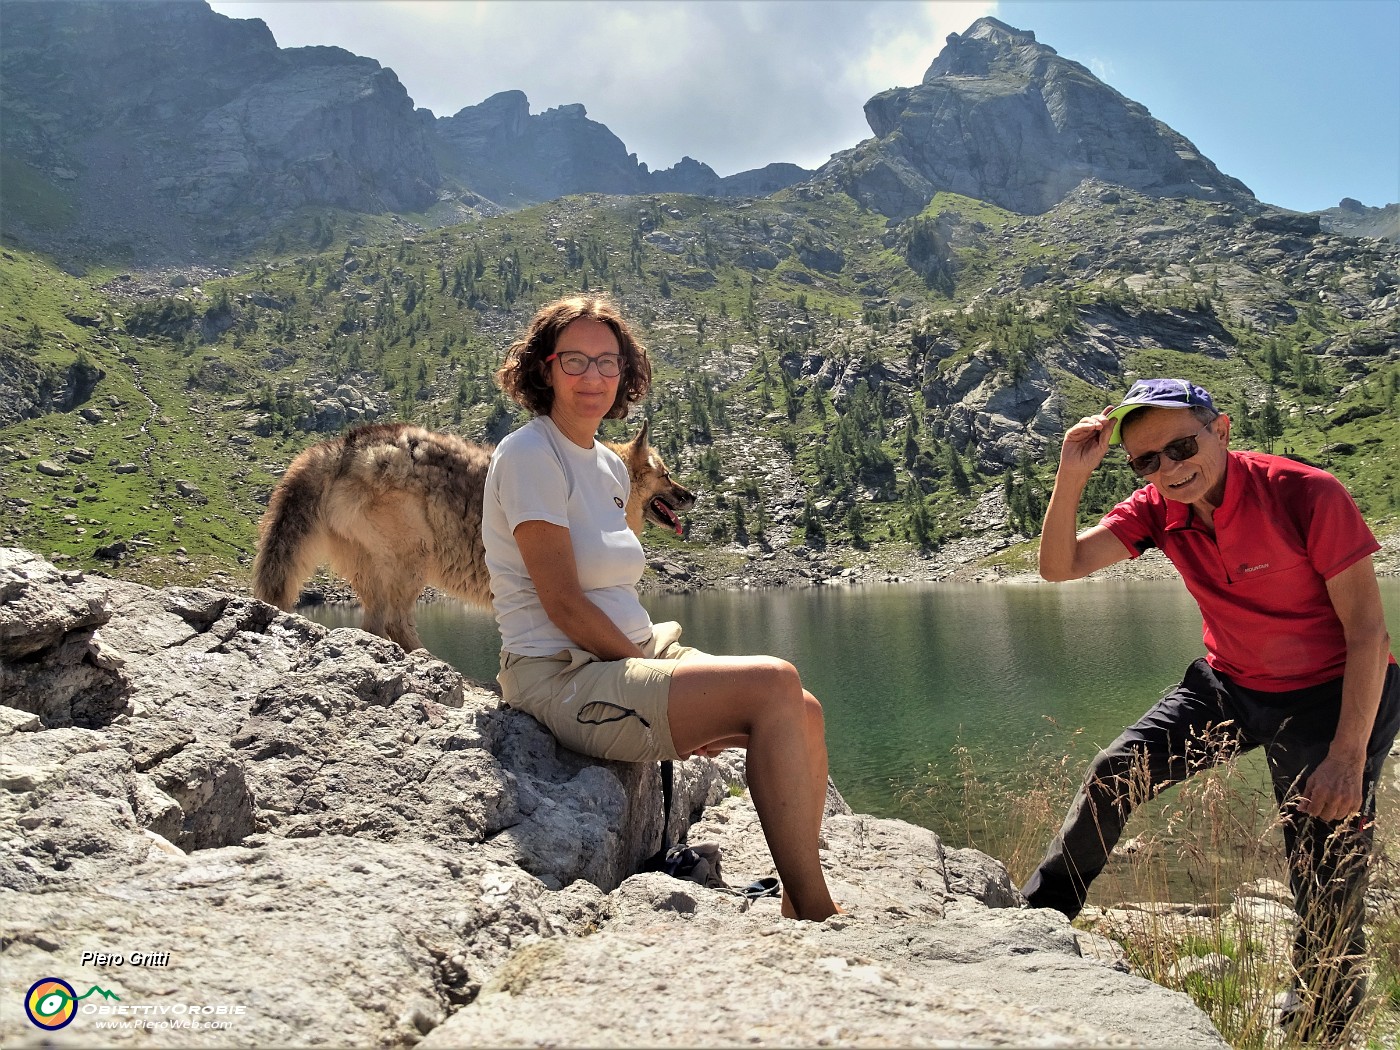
{"type": "Point", "coordinates": [348, 846]}
{"type": "Point", "coordinates": [837, 413]}
{"type": "Point", "coordinates": [163, 129]}
{"type": "Point", "coordinates": [1002, 118]}
{"type": "Point", "coordinates": [855, 395]}
{"type": "Point", "coordinates": [179, 133]}
{"type": "Point", "coordinates": [499, 150]}
{"type": "Point", "coordinates": [182, 134]}
{"type": "Point", "coordinates": [1351, 218]}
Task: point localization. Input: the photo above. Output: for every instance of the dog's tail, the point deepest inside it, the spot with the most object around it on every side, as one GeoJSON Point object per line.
{"type": "Point", "coordinates": [289, 546]}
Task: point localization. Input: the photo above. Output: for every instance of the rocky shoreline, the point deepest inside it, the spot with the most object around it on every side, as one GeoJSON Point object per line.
{"type": "Point", "coordinates": [337, 843]}
{"type": "Point", "coordinates": [768, 568]}
{"type": "Point", "coordinates": [970, 560]}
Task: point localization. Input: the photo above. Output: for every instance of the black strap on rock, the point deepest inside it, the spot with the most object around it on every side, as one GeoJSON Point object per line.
{"type": "Point", "coordinates": [657, 861]}
{"type": "Point", "coordinates": [699, 863]}
{"type": "Point", "coordinates": [667, 793]}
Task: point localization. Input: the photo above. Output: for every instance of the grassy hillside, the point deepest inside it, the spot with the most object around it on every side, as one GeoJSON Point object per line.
{"type": "Point", "coordinates": [875, 392]}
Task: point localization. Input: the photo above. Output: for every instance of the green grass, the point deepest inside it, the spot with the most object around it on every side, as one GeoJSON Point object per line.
{"type": "Point", "coordinates": [33, 199]}
{"type": "Point", "coordinates": [969, 210]}
{"type": "Point", "coordinates": [402, 322]}
{"type": "Point", "coordinates": [93, 505]}
{"type": "Point", "coordinates": [1019, 558]}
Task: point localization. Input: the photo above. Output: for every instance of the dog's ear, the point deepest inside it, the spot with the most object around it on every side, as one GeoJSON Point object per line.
{"type": "Point", "coordinates": [640, 441]}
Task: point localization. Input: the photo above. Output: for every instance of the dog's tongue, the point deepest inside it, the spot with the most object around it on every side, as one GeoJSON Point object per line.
{"type": "Point", "coordinates": [665, 511]}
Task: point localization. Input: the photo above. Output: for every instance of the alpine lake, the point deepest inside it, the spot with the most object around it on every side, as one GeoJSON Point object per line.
{"type": "Point", "coordinates": [952, 705]}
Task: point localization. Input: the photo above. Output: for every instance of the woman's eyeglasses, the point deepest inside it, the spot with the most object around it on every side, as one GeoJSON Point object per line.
{"type": "Point", "coordinates": [575, 363]}
{"type": "Point", "coordinates": [1176, 451]}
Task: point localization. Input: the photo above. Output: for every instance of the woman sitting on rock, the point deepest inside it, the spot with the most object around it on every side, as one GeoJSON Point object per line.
{"type": "Point", "coordinates": [579, 652]}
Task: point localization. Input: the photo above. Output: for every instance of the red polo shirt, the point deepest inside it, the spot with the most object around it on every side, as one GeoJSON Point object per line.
{"type": "Point", "coordinates": [1282, 531]}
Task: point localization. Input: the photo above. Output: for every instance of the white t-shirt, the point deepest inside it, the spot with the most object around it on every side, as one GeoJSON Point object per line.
{"type": "Point", "coordinates": [537, 474]}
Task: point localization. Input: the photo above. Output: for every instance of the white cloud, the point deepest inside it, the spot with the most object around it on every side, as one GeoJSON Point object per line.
{"type": "Point", "coordinates": [1102, 69]}
{"type": "Point", "coordinates": [906, 40]}
{"type": "Point", "coordinates": [734, 83]}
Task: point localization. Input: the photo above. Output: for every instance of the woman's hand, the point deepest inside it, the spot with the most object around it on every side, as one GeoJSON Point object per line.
{"type": "Point", "coordinates": [717, 747]}
{"type": "Point", "coordinates": [548, 553]}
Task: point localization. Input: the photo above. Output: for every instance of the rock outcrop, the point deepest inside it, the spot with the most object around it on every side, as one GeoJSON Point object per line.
{"type": "Point", "coordinates": [505, 154]}
{"type": "Point", "coordinates": [501, 151]}
{"type": "Point", "coordinates": [322, 840]}
{"type": "Point", "coordinates": [1351, 218]}
{"type": "Point", "coordinates": [1002, 118]}
{"type": "Point", "coordinates": [34, 390]}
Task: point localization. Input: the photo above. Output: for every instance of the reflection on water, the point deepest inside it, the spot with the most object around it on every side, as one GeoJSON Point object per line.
{"type": "Point", "coordinates": [909, 673]}
{"type": "Point", "coordinates": [906, 673]}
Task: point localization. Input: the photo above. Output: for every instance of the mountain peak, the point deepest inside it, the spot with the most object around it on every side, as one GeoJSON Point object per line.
{"type": "Point", "coordinates": [1002, 118]}
{"type": "Point", "coordinates": [988, 46]}
{"type": "Point", "coordinates": [989, 28]}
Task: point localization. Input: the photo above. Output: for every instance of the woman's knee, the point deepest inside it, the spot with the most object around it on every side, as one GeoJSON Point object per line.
{"type": "Point", "coordinates": [778, 689]}
{"type": "Point", "coordinates": [733, 695]}
{"type": "Point", "coordinates": [777, 677]}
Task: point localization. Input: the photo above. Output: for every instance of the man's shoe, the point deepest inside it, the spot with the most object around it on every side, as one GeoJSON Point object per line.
{"type": "Point", "coordinates": [1300, 1021]}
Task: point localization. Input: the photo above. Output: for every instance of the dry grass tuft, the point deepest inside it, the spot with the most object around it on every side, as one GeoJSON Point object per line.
{"type": "Point", "coordinates": [1197, 899]}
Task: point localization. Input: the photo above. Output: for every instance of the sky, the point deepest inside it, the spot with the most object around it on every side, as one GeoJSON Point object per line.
{"type": "Point", "coordinates": [1299, 99]}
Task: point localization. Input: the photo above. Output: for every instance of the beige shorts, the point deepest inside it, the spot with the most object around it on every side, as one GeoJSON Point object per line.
{"type": "Point", "coordinates": [614, 709]}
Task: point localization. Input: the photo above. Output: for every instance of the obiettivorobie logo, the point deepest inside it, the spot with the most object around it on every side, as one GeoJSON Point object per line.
{"type": "Point", "coordinates": [52, 1003]}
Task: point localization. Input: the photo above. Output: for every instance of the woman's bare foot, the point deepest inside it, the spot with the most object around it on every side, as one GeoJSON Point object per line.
{"type": "Point", "coordinates": [790, 912]}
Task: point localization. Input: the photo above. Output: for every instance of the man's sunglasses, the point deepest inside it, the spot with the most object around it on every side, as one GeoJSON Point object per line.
{"type": "Point", "coordinates": [1176, 451]}
{"type": "Point", "coordinates": [575, 363]}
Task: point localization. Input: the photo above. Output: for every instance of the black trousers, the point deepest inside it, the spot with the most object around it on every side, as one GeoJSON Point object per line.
{"type": "Point", "coordinates": [1204, 721]}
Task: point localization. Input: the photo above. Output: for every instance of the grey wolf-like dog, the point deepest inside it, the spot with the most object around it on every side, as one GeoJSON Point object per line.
{"type": "Point", "coordinates": [394, 507]}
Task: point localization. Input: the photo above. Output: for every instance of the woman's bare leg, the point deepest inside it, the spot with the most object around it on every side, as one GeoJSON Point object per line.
{"type": "Point", "coordinates": [717, 698]}
{"type": "Point", "coordinates": [816, 753]}
{"type": "Point", "coordinates": [816, 757]}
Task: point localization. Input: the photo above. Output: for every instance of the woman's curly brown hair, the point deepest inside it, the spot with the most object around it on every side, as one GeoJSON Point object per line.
{"type": "Point", "coordinates": [523, 376]}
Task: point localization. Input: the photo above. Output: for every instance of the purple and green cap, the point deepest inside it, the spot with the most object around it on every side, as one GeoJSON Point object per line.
{"type": "Point", "coordinates": [1157, 393]}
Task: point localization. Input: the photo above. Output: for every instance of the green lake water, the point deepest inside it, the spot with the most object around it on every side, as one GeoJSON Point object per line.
{"type": "Point", "coordinates": [908, 673]}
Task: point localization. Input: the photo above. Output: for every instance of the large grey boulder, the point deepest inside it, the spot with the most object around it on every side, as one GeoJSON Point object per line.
{"type": "Point", "coordinates": [913, 963]}
{"type": "Point", "coordinates": [206, 716]}
{"type": "Point", "coordinates": [322, 840]}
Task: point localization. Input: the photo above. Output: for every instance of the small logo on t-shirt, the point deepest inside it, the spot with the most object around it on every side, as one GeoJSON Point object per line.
{"type": "Point", "coordinates": [618, 501]}
{"type": "Point", "coordinates": [1252, 568]}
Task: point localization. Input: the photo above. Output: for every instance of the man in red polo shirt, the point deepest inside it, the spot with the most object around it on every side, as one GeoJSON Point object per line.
{"type": "Point", "coordinates": [1297, 662]}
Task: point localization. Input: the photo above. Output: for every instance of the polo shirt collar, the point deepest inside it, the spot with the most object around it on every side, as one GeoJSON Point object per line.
{"type": "Point", "coordinates": [1183, 515]}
